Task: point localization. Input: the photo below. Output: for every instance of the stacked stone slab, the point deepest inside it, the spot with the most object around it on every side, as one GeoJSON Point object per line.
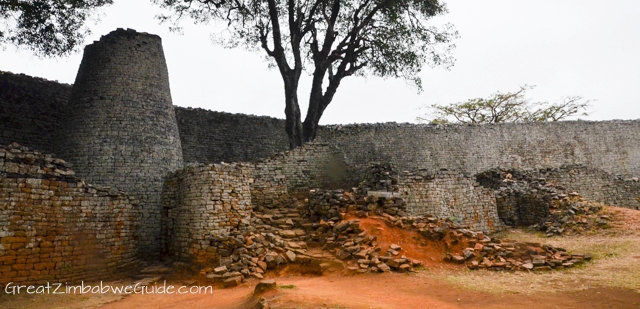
{"type": "Point", "coordinates": [120, 128]}
{"type": "Point", "coordinates": [56, 228]}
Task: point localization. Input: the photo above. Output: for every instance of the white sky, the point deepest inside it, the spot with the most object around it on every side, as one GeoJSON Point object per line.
{"type": "Point", "coordinates": [565, 48]}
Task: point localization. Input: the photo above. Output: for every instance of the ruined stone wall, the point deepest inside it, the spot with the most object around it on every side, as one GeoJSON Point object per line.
{"type": "Point", "coordinates": [448, 194]}
{"type": "Point", "coordinates": [30, 110]}
{"type": "Point", "coordinates": [612, 146]}
{"type": "Point", "coordinates": [595, 184]}
{"type": "Point", "coordinates": [119, 126]}
{"type": "Point", "coordinates": [56, 228]}
{"type": "Point", "coordinates": [315, 165]}
{"type": "Point", "coordinates": [214, 137]}
{"type": "Point", "coordinates": [205, 205]}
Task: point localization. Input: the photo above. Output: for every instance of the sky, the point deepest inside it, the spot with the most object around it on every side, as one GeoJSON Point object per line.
{"type": "Point", "coordinates": [565, 48]}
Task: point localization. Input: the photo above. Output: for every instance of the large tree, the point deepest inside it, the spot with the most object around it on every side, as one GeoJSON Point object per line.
{"type": "Point", "coordinates": [47, 27]}
{"type": "Point", "coordinates": [331, 39]}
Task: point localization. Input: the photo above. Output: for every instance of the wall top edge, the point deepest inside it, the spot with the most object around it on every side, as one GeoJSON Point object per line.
{"type": "Point", "coordinates": [13, 76]}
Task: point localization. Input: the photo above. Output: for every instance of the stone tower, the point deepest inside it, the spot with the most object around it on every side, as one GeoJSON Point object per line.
{"type": "Point", "coordinates": [120, 127]}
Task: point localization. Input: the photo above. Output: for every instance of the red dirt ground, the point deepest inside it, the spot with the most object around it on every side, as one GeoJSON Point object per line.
{"type": "Point", "coordinates": [381, 291]}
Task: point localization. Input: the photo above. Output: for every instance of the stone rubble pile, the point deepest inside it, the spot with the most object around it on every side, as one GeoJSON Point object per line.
{"type": "Point", "coordinates": [348, 242]}
{"type": "Point", "coordinates": [572, 214]}
{"type": "Point", "coordinates": [505, 254]}
{"type": "Point", "coordinates": [274, 238]}
{"type": "Point", "coordinates": [282, 235]}
{"type": "Point", "coordinates": [330, 204]}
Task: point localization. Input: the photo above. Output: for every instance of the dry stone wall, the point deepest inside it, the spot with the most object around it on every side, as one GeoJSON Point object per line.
{"type": "Point", "coordinates": [120, 128]}
{"type": "Point", "coordinates": [214, 137]}
{"type": "Point", "coordinates": [205, 205]}
{"type": "Point", "coordinates": [448, 194]}
{"type": "Point", "coordinates": [595, 185]}
{"type": "Point", "coordinates": [612, 146]}
{"type": "Point", "coordinates": [56, 228]}
{"type": "Point", "coordinates": [31, 110]}
{"type": "Point", "coordinates": [315, 165]}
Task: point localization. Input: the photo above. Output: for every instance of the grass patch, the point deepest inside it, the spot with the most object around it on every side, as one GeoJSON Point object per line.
{"type": "Point", "coordinates": [287, 286]}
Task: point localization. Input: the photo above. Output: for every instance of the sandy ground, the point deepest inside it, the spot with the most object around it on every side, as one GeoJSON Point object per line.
{"type": "Point", "coordinates": [612, 280]}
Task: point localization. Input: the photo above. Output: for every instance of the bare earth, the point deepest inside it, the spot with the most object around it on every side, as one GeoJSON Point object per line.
{"type": "Point", "coordinates": [612, 280]}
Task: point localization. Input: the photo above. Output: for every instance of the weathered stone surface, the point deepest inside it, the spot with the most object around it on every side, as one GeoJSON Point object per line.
{"type": "Point", "coordinates": [232, 281]}
{"type": "Point", "coordinates": [291, 257]}
{"type": "Point", "coordinates": [55, 227]}
{"type": "Point", "coordinates": [119, 126]}
{"type": "Point", "coordinates": [264, 286]}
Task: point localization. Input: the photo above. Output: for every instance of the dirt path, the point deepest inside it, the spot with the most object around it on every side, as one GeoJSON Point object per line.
{"type": "Point", "coordinates": [383, 291]}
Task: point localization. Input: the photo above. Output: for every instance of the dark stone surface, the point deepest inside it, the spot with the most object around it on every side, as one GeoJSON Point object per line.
{"type": "Point", "coordinates": [119, 126]}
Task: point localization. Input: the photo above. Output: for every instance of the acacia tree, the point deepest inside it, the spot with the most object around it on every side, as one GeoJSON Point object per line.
{"type": "Point", "coordinates": [330, 39]}
{"type": "Point", "coordinates": [507, 107]}
{"type": "Point", "coordinates": [46, 27]}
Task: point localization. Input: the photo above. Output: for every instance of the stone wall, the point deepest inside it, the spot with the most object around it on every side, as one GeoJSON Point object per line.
{"type": "Point", "coordinates": [214, 137]}
{"type": "Point", "coordinates": [595, 184]}
{"type": "Point", "coordinates": [448, 194]}
{"type": "Point", "coordinates": [30, 110]}
{"type": "Point", "coordinates": [205, 205]}
{"type": "Point", "coordinates": [612, 146]}
{"type": "Point", "coordinates": [54, 227]}
{"type": "Point", "coordinates": [315, 165]}
{"type": "Point", "coordinates": [120, 128]}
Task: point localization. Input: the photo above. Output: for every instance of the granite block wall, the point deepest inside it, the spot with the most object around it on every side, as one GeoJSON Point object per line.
{"type": "Point", "coordinates": [315, 165]}
{"type": "Point", "coordinates": [214, 137]}
{"type": "Point", "coordinates": [203, 206]}
{"type": "Point", "coordinates": [449, 194]}
{"type": "Point", "coordinates": [119, 126]}
{"type": "Point", "coordinates": [30, 110]}
{"type": "Point", "coordinates": [595, 184]}
{"type": "Point", "coordinates": [56, 228]}
{"type": "Point", "coordinates": [612, 146]}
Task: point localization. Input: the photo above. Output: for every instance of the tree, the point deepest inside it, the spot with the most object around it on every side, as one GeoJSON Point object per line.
{"type": "Point", "coordinates": [330, 39]}
{"type": "Point", "coordinates": [507, 107]}
{"type": "Point", "coordinates": [47, 27]}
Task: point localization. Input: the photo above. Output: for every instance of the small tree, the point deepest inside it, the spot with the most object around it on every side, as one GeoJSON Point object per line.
{"type": "Point", "coordinates": [330, 39]}
{"type": "Point", "coordinates": [507, 107]}
{"type": "Point", "coordinates": [47, 27]}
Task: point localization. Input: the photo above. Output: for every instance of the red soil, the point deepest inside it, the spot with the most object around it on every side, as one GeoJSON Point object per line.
{"type": "Point", "coordinates": [414, 245]}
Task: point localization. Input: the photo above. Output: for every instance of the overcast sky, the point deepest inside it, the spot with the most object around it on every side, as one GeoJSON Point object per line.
{"type": "Point", "coordinates": [565, 48]}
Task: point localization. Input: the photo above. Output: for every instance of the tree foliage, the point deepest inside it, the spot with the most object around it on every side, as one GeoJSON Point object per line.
{"type": "Point", "coordinates": [47, 27]}
{"type": "Point", "coordinates": [329, 39]}
{"type": "Point", "coordinates": [507, 107]}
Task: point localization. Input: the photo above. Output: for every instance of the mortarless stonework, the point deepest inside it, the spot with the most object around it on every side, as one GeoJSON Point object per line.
{"type": "Point", "coordinates": [31, 110]}
{"type": "Point", "coordinates": [56, 228]}
{"type": "Point", "coordinates": [612, 146]}
{"type": "Point", "coordinates": [120, 128]}
{"type": "Point", "coordinates": [448, 194]}
{"type": "Point", "coordinates": [205, 204]}
{"type": "Point", "coordinates": [214, 137]}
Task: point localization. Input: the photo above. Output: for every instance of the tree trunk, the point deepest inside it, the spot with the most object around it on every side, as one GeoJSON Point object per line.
{"type": "Point", "coordinates": [310, 124]}
{"type": "Point", "coordinates": [318, 102]}
{"type": "Point", "coordinates": [293, 125]}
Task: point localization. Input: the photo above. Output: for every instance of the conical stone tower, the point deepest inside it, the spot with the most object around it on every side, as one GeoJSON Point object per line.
{"type": "Point", "coordinates": [120, 128]}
